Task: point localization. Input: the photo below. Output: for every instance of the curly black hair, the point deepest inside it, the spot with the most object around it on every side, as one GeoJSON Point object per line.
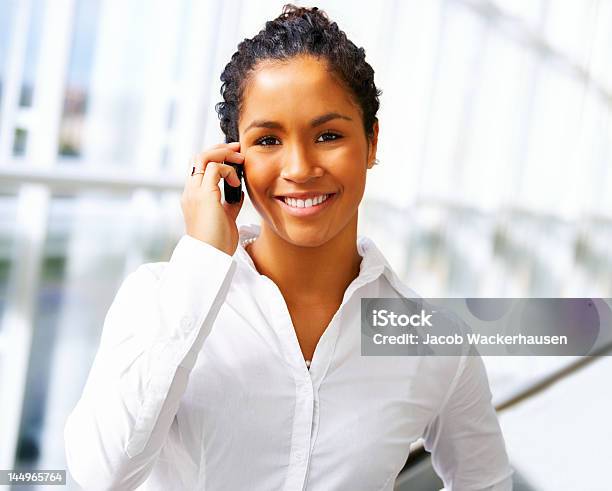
{"type": "Point", "coordinates": [298, 31]}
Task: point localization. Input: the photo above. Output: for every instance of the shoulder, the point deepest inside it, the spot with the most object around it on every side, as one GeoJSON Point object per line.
{"type": "Point", "coordinates": [154, 269]}
{"type": "Point", "coordinates": [188, 254]}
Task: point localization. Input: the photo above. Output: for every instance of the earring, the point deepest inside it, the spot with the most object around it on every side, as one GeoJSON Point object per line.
{"type": "Point", "coordinates": [376, 162]}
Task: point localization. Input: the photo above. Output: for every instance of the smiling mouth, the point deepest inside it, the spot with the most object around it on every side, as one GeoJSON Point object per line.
{"type": "Point", "coordinates": [309, 202]}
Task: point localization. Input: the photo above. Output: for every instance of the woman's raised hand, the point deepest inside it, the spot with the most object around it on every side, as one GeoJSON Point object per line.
{"type": "Point", "coordinates": [207, 218]}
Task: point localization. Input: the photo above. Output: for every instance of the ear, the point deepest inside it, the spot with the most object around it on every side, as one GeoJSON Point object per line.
{"type": "Point", "coordinates": [372, 145]}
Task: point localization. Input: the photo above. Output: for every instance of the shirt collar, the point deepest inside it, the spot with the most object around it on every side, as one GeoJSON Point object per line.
{"type": "Point", "coordinates": [372, 265]}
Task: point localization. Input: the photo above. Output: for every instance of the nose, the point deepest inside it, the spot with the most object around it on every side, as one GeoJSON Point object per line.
{"type": "Point", "coordinates": [298, 166]}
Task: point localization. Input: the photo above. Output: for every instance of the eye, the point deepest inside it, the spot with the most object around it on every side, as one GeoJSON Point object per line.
{"type": "Point", "coordinates": [264, 140]}
{"type": "Point", "coordinates": [335, 135]}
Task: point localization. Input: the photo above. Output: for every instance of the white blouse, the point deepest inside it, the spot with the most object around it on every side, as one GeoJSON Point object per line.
{"type": "Point", "coordinates": [199, 383]}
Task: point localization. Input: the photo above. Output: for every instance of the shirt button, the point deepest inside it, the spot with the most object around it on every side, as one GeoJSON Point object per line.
{"type": "Point", "coordinates": [299, 456]}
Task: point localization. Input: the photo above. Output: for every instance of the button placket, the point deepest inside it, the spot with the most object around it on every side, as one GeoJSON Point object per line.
{"type": "Point", "coordinates": [303, 423]}
{"type": "Point", "coordinates": [302, 431]}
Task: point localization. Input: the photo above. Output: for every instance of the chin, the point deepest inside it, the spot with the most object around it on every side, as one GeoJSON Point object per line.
{"type": "Point", "coordinates": [305, 236]}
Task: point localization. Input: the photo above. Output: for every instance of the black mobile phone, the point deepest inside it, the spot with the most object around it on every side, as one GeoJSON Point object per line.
{"type": "Point", "coordinates": [233, 193]}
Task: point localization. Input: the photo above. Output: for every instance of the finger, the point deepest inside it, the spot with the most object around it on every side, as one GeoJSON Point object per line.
{"type": "Point", "coordinates": [232, 145]}
{"type": "Point", "coordinates": [215, 172]}
{"type": "Point", "coordinates": [212, 155]}
{"type": "Point", "coordinates": [215, 150]}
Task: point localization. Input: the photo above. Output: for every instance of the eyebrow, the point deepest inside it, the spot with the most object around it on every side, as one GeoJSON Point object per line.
{"type": "Point", "coordinates": [319, 120]}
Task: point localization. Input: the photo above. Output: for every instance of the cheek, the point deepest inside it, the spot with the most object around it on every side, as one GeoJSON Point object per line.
{"type": "Point", "coordinates": [353, 180]}
{"type": "Point", "coordinates": [260, 178]}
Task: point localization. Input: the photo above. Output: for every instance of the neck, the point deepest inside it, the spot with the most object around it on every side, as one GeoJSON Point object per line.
{"type": "Point", "coordinates": [308, 275]}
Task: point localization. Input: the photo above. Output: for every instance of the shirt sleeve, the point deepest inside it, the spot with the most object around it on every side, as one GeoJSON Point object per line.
{"type": "Point", "coordinates": [150, 340]}
{"type": "Point", "coordinates": [465, 439]}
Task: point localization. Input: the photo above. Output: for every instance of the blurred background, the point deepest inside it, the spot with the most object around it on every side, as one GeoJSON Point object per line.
{"type": "Point", "coordinates": [494, 131]}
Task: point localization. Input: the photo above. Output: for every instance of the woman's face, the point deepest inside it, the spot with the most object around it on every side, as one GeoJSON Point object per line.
{"type": "Point", "coordinates": [301, 133]}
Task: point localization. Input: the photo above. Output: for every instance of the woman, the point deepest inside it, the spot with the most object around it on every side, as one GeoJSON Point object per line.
{"type": "Point", "coordinates": [237, 364]}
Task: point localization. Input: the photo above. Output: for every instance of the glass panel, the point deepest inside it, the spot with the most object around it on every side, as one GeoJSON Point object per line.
{"type": "Point", "coordinates": [550, 167]}
{"type": "Point", "coordinates": [48, 302]}
{"type": "Point", "coordinates": [8, 212]}
{"type": "Point", "coordinates": [78, 77]}
{"type": "Point", "coordinates": [459, 53]}
{"type": "Point", "coordinates": [7, 9]}
{"type": "Point", "coordinates": [20, 142]}
{"type": "Point", "coordinates": [493, 137]}
{"type": "Point", "coordinates": [127, 115]}
{"type": "Point", "coordinates": [37, 12]}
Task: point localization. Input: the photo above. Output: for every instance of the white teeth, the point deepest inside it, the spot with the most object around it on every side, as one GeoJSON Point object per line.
{"type": "Point", "coordinates": [300, 203]}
